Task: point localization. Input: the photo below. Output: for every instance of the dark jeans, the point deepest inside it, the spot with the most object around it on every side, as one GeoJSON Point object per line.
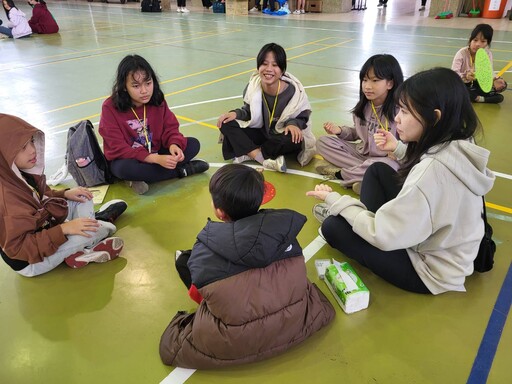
{"type": "Point", "coordinates": [135, 170]}
{"type": "Point", "coordinates": [240, 141]}
{"type": "Point", "coordinates": [379, 186]}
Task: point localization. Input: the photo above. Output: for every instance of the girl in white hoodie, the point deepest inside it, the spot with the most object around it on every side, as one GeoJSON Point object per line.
{"type": "Point", "coordinates": [17, 26]}
{"type": "Point", "coordinates": [419, 228]}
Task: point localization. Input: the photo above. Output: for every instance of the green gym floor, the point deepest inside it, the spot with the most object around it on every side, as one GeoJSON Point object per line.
{"type": "Point", "coordinates": [102, 323]}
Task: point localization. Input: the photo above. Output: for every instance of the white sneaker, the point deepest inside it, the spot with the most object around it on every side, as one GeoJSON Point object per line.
{"type": "Point", "coordinates": [279, 164]}
{"type": "Point", "coordinates": [59, 176]}
{"type": "Point", "coordinates": [296, 12]}
{"type": "Point", "coordinates": [254, 9]}
{"type": "Point", "coordinates": [179, 10]}
{"type": "Point", "coordinates": [321, 211]}
{"type": "Point", "coordinates": [302, 11]}
{"type": "Point", "coordinates": [185, 10]}
{"type": "Point", "coordinates": [241, 159]}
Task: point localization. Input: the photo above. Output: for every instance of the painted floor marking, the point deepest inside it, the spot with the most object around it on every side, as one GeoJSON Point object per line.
{"type": "Point", "coordinates": [489, 344]}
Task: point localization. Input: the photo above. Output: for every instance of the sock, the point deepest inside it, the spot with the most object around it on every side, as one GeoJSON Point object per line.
{"type": "Point", "coordinates": [259, 158]}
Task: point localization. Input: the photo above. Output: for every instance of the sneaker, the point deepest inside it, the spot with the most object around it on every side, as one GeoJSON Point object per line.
{"type": "Point", "coordinates": [58, 177]}
{"type": "Point", "coordinates": [179, 10]}
{"type": "Point", "coordinates": [111, 210]}
{"type": "Point", "coordinates": [139, 187]}
{"type": "Point", "coordinates": [193, 167]}
{"type": "Point", "coordinates": [321, 233]}
{"type": "Point", "coordinates": [185, 10]}
{"type": "Point", "coordinates": [422, 8]}
{"type": "Point", "coordinates": [380, 4]}
{"type": "Point", "coordinates": [279, 164]}
{"type": "Point", "coordinates": [254, 9]}
{"type": "Point", "coordinates": [302, 11]}
{"type": "Point", "coordinates": [241, 159]}
{"type": "Point", "coordinates": [356, 187]}
{"type": "Point", "coordinates": [296, 12]}
{"type": "Point", "coordinates": [106, 250]}
{"type": "Point", "coordinates": [321, 211]}
{"type": "Point", "coordinates": [328, 170]}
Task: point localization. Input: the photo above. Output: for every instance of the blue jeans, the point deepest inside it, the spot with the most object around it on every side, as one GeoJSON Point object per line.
{"type": "Point", "coordinates": [75, 243]}
{"type": "Point", "coordinates": [6, 31]}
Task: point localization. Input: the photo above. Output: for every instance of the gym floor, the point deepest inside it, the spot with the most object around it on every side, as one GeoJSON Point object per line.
{"type": "Point", "coordinates": [102, 323]}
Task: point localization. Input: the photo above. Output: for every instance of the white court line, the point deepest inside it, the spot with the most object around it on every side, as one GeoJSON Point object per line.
{"type": "Point", "coordinates": [178, 376]}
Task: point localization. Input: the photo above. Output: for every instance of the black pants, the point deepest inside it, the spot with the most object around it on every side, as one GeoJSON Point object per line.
{"type": "Point", "coordinates": [379, 186]}
{"type": "Point", "coordinates": [474, 90]}
{"type": "Point", "coordinates": [182, 268]}
{"type": "Point", "coordinates": [135, 170]}
{"type": "Point", "coordinates": [182, 3]}
{"type": "Point", "coordinates": [240, 141]}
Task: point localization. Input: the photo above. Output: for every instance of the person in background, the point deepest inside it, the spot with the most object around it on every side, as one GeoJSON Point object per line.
{"type": "Point", "coordinates": [182, 6]}
{"type": "Point", "coordinates": [42, 20]}
{"type": "Point", "coordinates": [464, 64]}
{"type": "Point", "coordinates": [17, 25]}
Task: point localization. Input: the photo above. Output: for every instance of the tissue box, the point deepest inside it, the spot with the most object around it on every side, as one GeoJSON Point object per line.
{"type": "Point", "coordinates": [348, 289]}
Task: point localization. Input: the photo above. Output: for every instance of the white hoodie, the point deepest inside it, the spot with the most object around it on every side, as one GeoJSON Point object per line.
{"type": "Point", "coordinates": [436, 217]}
{"type": "Point", "coordinates": [18, 23]}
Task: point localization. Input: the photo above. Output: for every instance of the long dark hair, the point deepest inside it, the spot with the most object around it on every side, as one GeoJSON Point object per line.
{"type": "Point", "coordinates": [131, 64]}
{"type": "Point", "coordinates": [422, 94]}
{"type": "Point", "coordinates": [11, 4]}
{"type": "Point", "coordinates": [385, 67]}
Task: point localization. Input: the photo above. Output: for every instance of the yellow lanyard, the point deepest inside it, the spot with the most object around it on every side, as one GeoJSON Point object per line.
{"type": "Point", "coordinates": [144, 127]}
{"type": "Point", "coordinates": [275, 103]}
{"type": "Point", "coordinates": [378, 119]}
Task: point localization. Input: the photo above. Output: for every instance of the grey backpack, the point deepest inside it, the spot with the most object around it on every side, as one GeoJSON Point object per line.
{"type": "Point", "coordinates": [84, 157]}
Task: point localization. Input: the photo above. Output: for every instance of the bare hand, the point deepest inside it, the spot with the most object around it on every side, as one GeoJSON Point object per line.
{"type": "Point", "coordinates": [79, 194]}
{"type": "Point", "coordinates": [321, 191]}
{"type": "Point", "coordinates": [295, 132]}
{"type": "Point", "coordinates": [80, 226]}
{"type": "Point", "coordinates": [226, 118]}
{"type": "Point", "coordinates": [499, 84]}
{"type": "Point", "coordinates": [385, 141]}
{"type": "Point", "coordinates": [470, 76]}
{"type": "Point", "coordinates": [177, 152]}
{"type": "Point", "coordinates": [167, 161]}
{"type": "Point", "coordinates": [332, 128]}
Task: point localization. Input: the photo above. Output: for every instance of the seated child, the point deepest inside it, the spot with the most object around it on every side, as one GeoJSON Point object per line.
{"type": "Point", "coordinates": [40, 227]}
{"type": "Point", "coordinates": [249, 274]}
{"type": "Point", "coordinates": [42, 20]}
{"type": "Point", "coordinates": [464, 64]}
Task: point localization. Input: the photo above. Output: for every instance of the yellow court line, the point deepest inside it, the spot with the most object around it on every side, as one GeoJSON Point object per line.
{"type": "Point", "coordinates": [498, 207]}
{"type": "Point", "coordinates": [143, 45]}
{"type": "Point", "coordinates": [178, 78]}
{"type": "Point", "coordinates": [196, 122]}
{"type": "Point", "coordinates": [504, 69]}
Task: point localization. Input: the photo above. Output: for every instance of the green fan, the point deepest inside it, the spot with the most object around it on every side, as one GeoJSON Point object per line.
{"type": "Point", "coordinates": [483, 70]}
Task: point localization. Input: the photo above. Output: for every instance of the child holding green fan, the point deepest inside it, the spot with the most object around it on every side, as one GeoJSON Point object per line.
{"type": "Point", "coordinates": [464, 65]}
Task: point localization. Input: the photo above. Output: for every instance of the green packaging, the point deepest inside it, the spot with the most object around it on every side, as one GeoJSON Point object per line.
{"type": "Point", "coordinates": [347, 287]}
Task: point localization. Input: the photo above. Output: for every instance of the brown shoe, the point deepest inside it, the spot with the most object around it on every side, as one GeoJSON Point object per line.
{"type": "Point", "coordinates": [328, 170]}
